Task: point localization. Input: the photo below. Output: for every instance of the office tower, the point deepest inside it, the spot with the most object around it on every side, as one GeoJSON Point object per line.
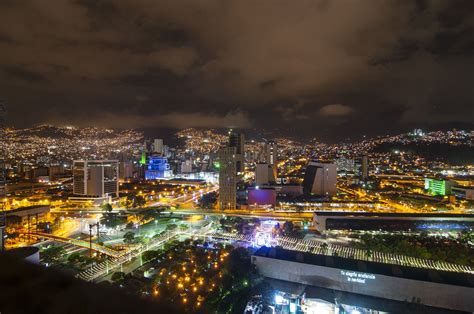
{"type": "Point", "coordinates": [158, 168]}
{"type": "Point", "coordinates": [126, 170]}
{"type": "Point", "coordinates": [271, 152]}
{"type": "Point", "coordinates": [320, 178]}
{"type": "Point", "coordinates": [361, 168]}
{"type": "Point", "coordinates": [158, 146]}
{"type": "Point", "coordinates": [237, 140]}
{"type": "Point", "coordinates": [227, 178]}
{"type": "Point", "coordinates": [96, 178]}
{"type": "Point", "coordinates": [55, 171]}
{"type": "Point", "coordinates": [264, 174]}
{"type": "Point", "coordinates": [3, 178]}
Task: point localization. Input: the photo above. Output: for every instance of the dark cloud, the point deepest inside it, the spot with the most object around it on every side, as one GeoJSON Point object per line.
{"type": "Point", "coordinates": [312, 68]}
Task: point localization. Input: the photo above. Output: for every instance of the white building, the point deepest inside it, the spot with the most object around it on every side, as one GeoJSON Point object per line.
{"type": "Point", "coordinates": [265, 174]}
{"type": "Point", "coordinates": [96, 178]}
{"type": "Point", "coordinates": [320, 178]}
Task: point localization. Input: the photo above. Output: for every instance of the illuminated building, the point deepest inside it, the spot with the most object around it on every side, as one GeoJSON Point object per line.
{"type": "Point", "coordinates": [265, 174]}
{"type": "Point", "coordinates": [158, 168]}
{"type": "Point", "coordinates": [438, 187]}
{"type": "Point", "coordinates": [320, 178]}
{"type": "Point", "coordinates": [304, 271]}
{"type": "Point", "coordinates": [262, 196]}
{"type": "Point", "coordinates": [96, 178]}
{"type": "Point", "coordinates": [227, 178]}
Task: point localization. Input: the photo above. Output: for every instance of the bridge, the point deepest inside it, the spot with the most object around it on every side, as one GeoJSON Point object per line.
{"type": "Point", "coordinates": [111, 263]}
{"type": "Point", "coordinates": [81, 243]}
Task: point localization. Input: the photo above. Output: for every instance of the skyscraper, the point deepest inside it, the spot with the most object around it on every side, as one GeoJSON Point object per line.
{"type": "Point", "coordinates": [361, 167]}
{"type": "Point", "coordinates": [271, 152]}
{"type": "Point", "coordinates": [158, 146]}
{"type": "Point", "coordinates": [96, 178]}
{"type": "Point", "coordinates": [320, 178]}
{"type": "Point", "coordinates": [264, 174]}
{"type": "Point", "coordinates": [227, 178]}
{"type": "Point", "coordinates": [237, 140]}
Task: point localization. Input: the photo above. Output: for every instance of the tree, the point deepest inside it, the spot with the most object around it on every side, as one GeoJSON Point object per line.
{"type": "Point", "coordinates": [238, 264]}
{"type": "Point", "coordinates": [74, 258]}
{"type": "Point", "coordinates": [52, 254]}
{"type": "Point", "coordinates": [171, 227]}
{"type": "Point", "coordinates": [149, 255]}
{"type": "Point", "coordinates": [129, 237]}
{"type": "Point", "coordinates": [106, 207]}
{"type": "Point", "coordinates": [288, 228]}
{"type": "Point", "coordinates": [208, 200]}
{"type": "Point", "coordinates": [118, 276]}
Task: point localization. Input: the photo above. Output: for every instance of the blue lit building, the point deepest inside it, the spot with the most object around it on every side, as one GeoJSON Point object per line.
{"type": "Point", "coordinates": [157, 168]}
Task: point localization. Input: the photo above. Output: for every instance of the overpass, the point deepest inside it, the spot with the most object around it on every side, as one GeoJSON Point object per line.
{"type": "Point", "coordinates": [81, 243]}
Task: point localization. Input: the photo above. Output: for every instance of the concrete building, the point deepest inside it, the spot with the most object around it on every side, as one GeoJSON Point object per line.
{"type": "Point", "coordinates": [465, 193]}
{"type": "Point", "coordinates": [261, 196]}
{"type": "Point", "coordinates": [265, 174]}
{"type": "Point", "coordinates": [438, 186]}
{"type": "Point", "coordinates": [227, 178]}
{"type": "Point", "coordinates": [438, 289]}
{"type": "Point", "coordinates": [237, 141]}
{"type": "Point", "coordinates": [186, 166]}
{"type": "Point", "coordinates": [126, 170]}
{"type": "Point", "coordinates": [361, 168]}
{"type": "Point", "coordinates": [320, 178]}
{"type": "Point", "coordinates": [96, 178]}
{"type": "Point", "coordinates": [158, 146]}
{"type": "Point", "coordinates": [271, 152]}
{"type": "Point", "coordinates": [326, 220]}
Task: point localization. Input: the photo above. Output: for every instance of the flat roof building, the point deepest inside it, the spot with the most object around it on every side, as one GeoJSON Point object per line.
{"type": "Point", "coordinates": [96, 178]}
{"type": "Point", "coordinates": [439, 289]}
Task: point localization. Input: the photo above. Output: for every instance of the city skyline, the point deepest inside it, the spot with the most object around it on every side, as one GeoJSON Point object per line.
{"type": "Point", "coordinates": [324, 69]}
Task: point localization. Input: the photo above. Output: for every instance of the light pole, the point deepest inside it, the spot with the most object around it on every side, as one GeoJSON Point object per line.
{"type": "Point", "coordinates": [90, 236]}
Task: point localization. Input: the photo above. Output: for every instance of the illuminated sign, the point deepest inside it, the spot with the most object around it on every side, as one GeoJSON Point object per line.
{"type": "Point", "coordinates": [352, 276]}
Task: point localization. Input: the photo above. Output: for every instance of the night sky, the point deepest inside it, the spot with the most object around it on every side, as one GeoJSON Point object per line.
{"type": "Point", "coordinates": [328, 69]}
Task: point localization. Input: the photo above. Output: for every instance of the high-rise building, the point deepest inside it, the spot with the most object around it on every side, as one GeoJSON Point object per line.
{"type": "Point", "coordinates": [271, 152]}
{"type": "Point", "coordinates": [264, 174]}
{"type": "Point", "coordinates": [361, 167]}
{"type": "Point", "coordinates": [237, 140]}
{"type": "Point", "coordinates": [227, 178]}
{"type": "Point", "coordinates": [126, 170]}
{"type": "Point", "coordinates": [96, 178]}
{"type": "Point", "coordinates": [320, 178]}
{"type": "Point", "coordinates": [158, 146]}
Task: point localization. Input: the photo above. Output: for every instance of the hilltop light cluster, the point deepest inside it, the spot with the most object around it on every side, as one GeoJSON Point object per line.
{"type": "Point", "coordinates": [47, 144]}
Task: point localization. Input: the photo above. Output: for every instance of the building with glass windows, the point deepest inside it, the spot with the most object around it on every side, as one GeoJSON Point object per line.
{"type": "Point", "coordinates": [96, 178]}
{"type": "Point", "coordinates": [157, 168]}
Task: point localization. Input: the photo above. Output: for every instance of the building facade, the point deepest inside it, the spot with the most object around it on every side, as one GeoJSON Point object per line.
{"type": "Point", "coordinates": [227, 178]}
{"type": "Point", "coordinates": [320, 178]}
{"type": "Point", "coordinates": [96, 178]}
{"type": "Point", "coordinates": [157, 168]}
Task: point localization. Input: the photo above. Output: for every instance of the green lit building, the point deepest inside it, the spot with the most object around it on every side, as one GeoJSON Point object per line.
{"type": "Point", "coordinates": [438, 187]}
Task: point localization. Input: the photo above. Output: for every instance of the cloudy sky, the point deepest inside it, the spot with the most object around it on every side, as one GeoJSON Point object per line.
{"type": "Point", "coordinates": [328, 69]}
